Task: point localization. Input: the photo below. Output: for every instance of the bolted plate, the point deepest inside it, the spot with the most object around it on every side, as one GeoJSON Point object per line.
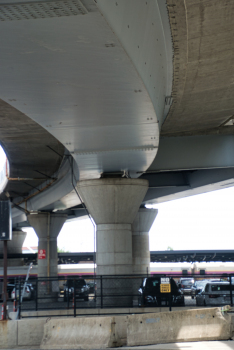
{"type": "Point", "coordinates": [36, 10]}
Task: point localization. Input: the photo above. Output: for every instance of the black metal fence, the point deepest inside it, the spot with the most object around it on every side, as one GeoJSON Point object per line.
{"type": "Point", "coordinates": [91, 292]}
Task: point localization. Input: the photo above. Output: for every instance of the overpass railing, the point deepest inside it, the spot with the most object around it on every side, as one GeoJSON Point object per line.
{"type": "Point", "coordinates": [74, 293]}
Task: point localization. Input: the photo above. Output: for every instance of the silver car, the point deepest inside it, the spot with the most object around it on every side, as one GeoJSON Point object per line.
{"type": "Point", "coordinates": [214, 293]}
{"type": "Point", "coordinates": [185, 285]}
{"type": "Point", "coordinates": [28, 295]}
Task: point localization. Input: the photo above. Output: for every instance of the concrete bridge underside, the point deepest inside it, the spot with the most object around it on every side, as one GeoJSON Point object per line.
{"type": "Point", "coordinates": [139, 89]}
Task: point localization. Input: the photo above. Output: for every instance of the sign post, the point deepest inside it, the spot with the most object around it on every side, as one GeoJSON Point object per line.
{"type": "Point", "coordinates": [4, 297]}
{"type": "Point", "coordinates": [5, 235]}
{"type": "Point", "coordinates": [165, 287]}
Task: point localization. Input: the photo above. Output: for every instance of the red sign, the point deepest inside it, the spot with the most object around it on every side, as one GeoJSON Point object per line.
{"type": "Point", "coordinates": [42, 254]}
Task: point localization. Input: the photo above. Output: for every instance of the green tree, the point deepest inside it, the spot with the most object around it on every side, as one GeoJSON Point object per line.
{"type": "Point", "coordinates": [169, 248]}
{"type": "Point", "coordinates": [62, 250]}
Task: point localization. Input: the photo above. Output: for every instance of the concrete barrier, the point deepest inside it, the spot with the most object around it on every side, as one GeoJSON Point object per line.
{"type": "Point", "coordinates": [8, 334]}
{"type": "Point", "coordinates": [21, 333]}
{"type": "Point", "coordinates": [80, 333]}
{"type": "Point", "coordinates": [30, 332]}
{"type": "Point", "coordinates": [179, 326]}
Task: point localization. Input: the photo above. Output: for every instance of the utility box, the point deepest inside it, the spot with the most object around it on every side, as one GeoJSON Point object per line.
{"type": "Point", "coordinates": [5, 221]}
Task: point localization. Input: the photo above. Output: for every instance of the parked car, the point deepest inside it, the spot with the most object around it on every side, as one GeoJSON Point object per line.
{"type": "Point", "coordinates": [185, 284]}
{"type": "Point", "coordinates": [92, 286]}
{"type": "Point", "coordinates": [10, 287]}
{"type": "Point", "coordinates": [198, 287]}
{"type": "Point", "coordinates": [150, 295]}
{"type": "Point", "coordinates": [81, 289]}
{"type": "Point", "coordinates": [215, 293]}
{"type": "Point", "coordinates": [28, 293]}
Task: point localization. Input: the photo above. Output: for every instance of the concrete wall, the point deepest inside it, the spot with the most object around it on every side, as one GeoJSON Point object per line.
{"type": "Point", "coordinates": [179, 326]}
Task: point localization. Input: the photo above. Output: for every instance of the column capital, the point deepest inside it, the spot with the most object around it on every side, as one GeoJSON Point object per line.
{"type": "Point", "coordinates": [113, 200]}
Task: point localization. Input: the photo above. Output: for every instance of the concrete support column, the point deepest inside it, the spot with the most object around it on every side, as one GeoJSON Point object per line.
{"type": "Point", "coordinates": [140, 240]}
{"type": "Point", "coordinates": [47, 227]}
{"type": "Point", "coordinates": [113, 203]}
{"type": "Point", "coordinates": [14, 247]}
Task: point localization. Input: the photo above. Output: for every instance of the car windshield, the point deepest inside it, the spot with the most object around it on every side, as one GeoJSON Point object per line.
{"type": "Point", "coordinates": [200, 283]}
{"type": "Point", "coordinates": [220, 287]}
{"type": "Point", "coordinates": [79, 283]}
{"type": "Point", "coordinates": [186, 282]}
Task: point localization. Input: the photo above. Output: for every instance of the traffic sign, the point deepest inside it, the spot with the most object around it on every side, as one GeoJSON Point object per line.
{"type": "Point", "coordinates": [42, 254]}
{"type": "Point", "coordinates": [165, 288]}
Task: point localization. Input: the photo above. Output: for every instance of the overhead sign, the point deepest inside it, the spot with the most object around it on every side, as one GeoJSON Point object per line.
{"type": "Point", "coordinates": [42, 254]}
{"type": "Point", "coordinates": [165, 286]}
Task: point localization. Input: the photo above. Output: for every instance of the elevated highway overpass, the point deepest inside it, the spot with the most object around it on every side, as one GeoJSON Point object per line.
{"type": "Point", "coordinates": [114, 104]}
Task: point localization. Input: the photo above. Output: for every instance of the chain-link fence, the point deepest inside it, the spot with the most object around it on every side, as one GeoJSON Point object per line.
{"type": "Point", "coordinates": [90, 292]}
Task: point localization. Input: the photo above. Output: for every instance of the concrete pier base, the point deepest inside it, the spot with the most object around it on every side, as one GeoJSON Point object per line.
{"type": "Point", "coordinates": [113, 203]}
{"type": "Point", "coordinates": [140, 240]}
{"type": "Point", "coordinates": [140, 246]}
{"type": "Point", "coordinates": [47, 227]}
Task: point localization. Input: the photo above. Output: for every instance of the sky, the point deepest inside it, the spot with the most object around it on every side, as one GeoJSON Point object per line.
{"type": "Point", "coordinates": [204, 221]}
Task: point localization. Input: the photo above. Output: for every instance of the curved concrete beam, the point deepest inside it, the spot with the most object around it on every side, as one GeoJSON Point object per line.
{"type": "Point", "coordinates": [29, 149]}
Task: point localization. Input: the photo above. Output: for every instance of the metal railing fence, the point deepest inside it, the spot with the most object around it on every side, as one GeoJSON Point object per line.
{"type": "Point", "coordinates": [91, 292]}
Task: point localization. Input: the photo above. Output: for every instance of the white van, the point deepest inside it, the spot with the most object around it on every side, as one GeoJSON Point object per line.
{"type": "Point", "coordinates": [215, 293]}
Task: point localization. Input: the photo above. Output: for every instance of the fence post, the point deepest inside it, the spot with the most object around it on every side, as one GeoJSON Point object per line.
{"type": "Point", "coordinates": [19, 298]}
{"type": "Point", "coordinates": [36, 295]}
{"type": "Point", "coordinates": [170, 296]}
{"type": "Point", "coordinates": [68, 296]}
{"type": "Point", "coordinates": [74, 296]}
{"type": "Point", "coordinates": [101, 292]}
{"type": "Point", "coordinates": [230, 280]}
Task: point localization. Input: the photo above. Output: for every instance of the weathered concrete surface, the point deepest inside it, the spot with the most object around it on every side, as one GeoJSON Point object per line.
{"type": "Point", "coordinates": [80, 333]}
{"type": "Point", "coordinates": [26, 144]}
{"type": "Point", "coordinates": [120, 330]}
{"type": "Point", "coordinates": [8, 334]}
{"type": "Point", "coordinates": [21, 333]}
{"type": "Point", "coordinates": [202, 33]}
{"type": "Point", "coordinates": [178, 326]}
{"type": "Point", "coordinates": [30, 332]}
{"type": "Point", "coordinates": [140, 240]}
{"type": "Point", "coordinates": [113, 203]}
